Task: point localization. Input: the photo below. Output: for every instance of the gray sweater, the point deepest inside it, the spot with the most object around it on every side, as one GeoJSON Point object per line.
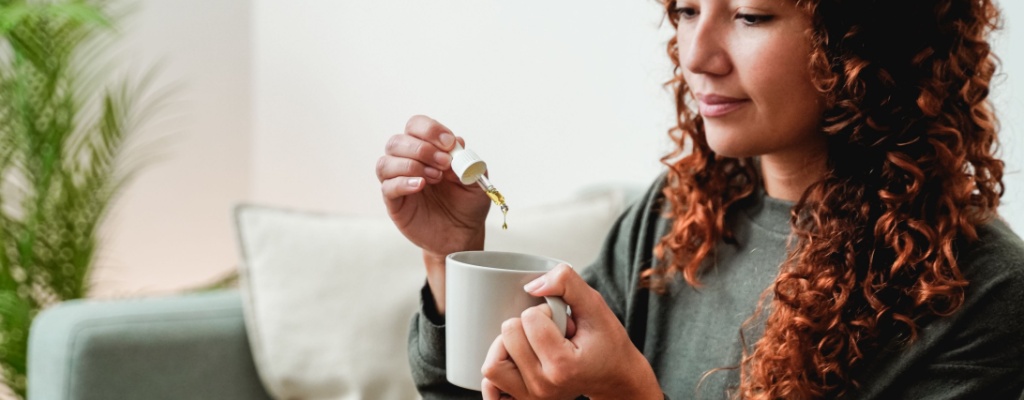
{"type": "Point", "coordinates": [978, 352]}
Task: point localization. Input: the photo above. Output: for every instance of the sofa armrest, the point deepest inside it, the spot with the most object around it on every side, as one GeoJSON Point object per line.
{"type": "Point", "coordinates": [191, 346]}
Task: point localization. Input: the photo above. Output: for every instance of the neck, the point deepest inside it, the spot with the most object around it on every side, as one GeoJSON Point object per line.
{"type": "Point", "coordinates": [787, 177]}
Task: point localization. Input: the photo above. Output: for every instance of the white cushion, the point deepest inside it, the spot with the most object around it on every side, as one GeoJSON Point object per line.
{"type": "Point", "coordinates": [328, 298]}
{"type": "Point", "coordinates": [572, 231]}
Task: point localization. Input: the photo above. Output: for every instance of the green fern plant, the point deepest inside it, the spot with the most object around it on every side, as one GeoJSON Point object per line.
{"type": "Point", "coordinates": [63, 131]}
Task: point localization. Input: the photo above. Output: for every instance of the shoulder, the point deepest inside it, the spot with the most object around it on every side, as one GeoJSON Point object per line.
{"type": "Point", "coordinates": [647, 207]}
{"type": "Point", "coordinates": [976, 349]}
{"type": "Point", "coordinates": [993, 266]}
{"type": "Point", "coordinates": [996, 257]}
{"type": "Point", "coordinates": [654, 196]}
{"type": "Point", "coordinates": [627, 249]}
{"type": "Point", "coordinates": [638, 227]}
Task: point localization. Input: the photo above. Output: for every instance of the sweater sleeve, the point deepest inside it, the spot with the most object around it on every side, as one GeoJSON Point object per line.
{"type": "Point", "coordinates": [626, 251]}
{"type": "Point", "coordinates": [605, 273]}
{"type": "Point", "coordinates": [427, 354]}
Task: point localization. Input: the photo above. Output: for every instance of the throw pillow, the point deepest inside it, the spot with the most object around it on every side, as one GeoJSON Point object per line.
{"type": "Point", "coordinates": [328, 298]}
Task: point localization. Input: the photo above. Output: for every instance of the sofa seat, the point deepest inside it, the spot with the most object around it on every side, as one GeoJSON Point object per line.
{"type": "Point", "coordinates": [191, 346]}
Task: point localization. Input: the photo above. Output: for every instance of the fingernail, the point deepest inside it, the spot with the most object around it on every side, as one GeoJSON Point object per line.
{"type": "Point", "coordinates": [534, 285]}
{"type": "Point", "coordinates": [442, 159]}
{"type": "Point", "coordinates": [447, 139]}
{"type": "Point", "coordinates": [414, 182]}
{"type": "Point", "coordinates": [432, 172]}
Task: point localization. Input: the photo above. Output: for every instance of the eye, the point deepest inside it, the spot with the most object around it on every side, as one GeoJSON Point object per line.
{"type": "Point", "coordinates": [753, 19]}
{"type": "Point", "coordinates": [685, 12]}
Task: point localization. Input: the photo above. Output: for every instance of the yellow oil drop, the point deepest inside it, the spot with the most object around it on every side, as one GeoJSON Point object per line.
{"type": "Point", "coordinates": [498, 199]}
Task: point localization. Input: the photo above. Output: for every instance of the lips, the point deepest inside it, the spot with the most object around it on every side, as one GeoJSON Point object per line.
{"type": "Point", "coordinates": [713, 105]}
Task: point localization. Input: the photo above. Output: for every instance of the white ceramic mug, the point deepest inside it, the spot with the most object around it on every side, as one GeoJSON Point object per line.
{"type": "Point", "coordinates": [482, 290]}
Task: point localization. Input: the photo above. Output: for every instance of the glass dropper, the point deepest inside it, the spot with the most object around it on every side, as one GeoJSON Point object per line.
{"type": "Point", "coordinates": [470, 168]}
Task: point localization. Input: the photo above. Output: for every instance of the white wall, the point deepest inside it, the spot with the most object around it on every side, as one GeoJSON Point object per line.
{"type": "Point", "coordinates": [1008, 97]}
{"type": "Point", "coordinates": [555, 95]}
{"type": "Point", "coordinates": [171, 229]}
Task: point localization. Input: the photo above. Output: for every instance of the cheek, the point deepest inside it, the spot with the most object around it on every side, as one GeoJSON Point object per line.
{"type": "Point", "coordinates": [682, 49]}
{"type": "Point", "coordinates": [782, 85]}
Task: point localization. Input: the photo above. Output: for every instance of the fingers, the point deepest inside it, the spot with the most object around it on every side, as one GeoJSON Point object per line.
{"type": "Point", "coordinates": [489, 391]}
{"type": "Point", "coordinates": [512, 364]}
{"type": "Point", "coordinates": [550, 347]}
{"type": "Point", "coordinates": [402, 147]}
{"type": "Point", "coordinates": [500, 372]}
{"type": "Point", "coordinates": [564, 282]}
{"type": "Point", "coordinates": [518, 346]}
{"type": "Point", "coordinates": [414, 159]}
{"type": "Point", "coordinates": [396, 188]}
{"type": "Point", "coordinates": [430, 131]}
{"type": "Point", "coordinates": [389, 167]}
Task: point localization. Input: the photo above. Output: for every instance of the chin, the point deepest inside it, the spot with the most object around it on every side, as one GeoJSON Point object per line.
{"type": "Point", "coordinates": [734, 146]}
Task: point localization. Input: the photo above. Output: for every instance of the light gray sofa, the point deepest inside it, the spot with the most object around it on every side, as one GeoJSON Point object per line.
{"type": "Point", "coordinates": [321, 313]}
{"type": "Point", "coordinates": [190, 346]}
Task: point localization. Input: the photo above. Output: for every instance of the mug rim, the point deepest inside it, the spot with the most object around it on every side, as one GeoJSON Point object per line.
{"type": "Point", "coordinates": [457, 255]}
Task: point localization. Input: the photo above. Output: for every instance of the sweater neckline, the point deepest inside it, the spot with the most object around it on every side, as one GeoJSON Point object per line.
{"type": "Point", "coordinates": [768, 212]}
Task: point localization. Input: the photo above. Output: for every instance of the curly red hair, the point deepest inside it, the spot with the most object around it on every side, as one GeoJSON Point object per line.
{"type": "Point", "coordinates": [912, 172]}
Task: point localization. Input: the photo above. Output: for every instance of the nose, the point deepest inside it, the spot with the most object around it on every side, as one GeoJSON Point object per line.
{"type": "Point", "coordinates": [703, 48]}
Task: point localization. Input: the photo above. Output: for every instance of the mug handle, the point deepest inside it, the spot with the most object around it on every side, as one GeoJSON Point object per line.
{"type": "Point", "coordinates": [559, 312]}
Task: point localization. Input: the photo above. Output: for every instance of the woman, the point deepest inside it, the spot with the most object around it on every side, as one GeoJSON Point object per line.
{"type": "Point", "coordinates": [832, 232]}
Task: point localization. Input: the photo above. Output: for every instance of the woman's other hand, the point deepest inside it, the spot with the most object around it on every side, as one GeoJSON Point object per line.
{"type": "Point", "coordinates": [532, 360]}
{"type": "Point", "coordinates": [426, 201]}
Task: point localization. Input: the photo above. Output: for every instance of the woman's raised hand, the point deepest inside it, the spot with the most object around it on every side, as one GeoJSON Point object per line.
{"type": "Point", "coordinates": [426, 201]}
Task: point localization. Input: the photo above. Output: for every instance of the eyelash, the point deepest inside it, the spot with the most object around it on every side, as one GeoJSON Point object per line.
{"type": "Point", "coordinates": [754, 19]}
{"type": "Point", "coordinates": [685, 12]}
{"type": "Point", "coordinates": [746, 18]}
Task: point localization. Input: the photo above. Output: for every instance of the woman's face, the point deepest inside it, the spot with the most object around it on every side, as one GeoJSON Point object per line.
{"type": "Point", "coordinates": [746, 63]}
